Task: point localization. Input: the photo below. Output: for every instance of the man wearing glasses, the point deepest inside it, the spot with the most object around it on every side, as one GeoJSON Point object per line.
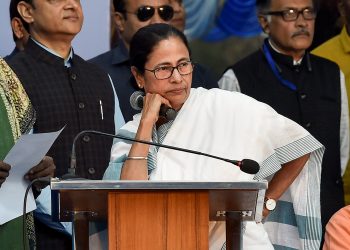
{"type": "Point", "coordinates": [305, 88]}
{"type": "Point", "coordinates": [130, 16]}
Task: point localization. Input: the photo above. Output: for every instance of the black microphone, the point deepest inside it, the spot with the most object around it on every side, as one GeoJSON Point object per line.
{"type": "Point", "coordinates": [246, 165]}
{"type": "Point", "coordinates": [136, 102]}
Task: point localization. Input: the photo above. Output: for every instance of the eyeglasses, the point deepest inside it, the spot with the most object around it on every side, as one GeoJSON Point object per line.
{"type": "Point", "coordinates": [293, 14]}
{"type": "Point", "coordinates": [145, 13]}
{"type": "Point", "coordinates": [165, 72]}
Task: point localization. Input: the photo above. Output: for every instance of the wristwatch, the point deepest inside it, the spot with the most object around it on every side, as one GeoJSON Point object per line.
{"type": "Point", "coordinates": [270, 204]}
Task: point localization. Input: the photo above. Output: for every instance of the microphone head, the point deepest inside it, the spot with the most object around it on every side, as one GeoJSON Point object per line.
{"type": "Point", "coordinates": [136, 100]}
{"type": "Point", "coordinates": [249, 166]}
{"type": "Point", "coordinates": [170, 114]}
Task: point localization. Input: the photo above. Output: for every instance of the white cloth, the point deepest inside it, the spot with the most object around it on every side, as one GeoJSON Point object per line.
{"type": "Point", "coordinates": [235, 126]}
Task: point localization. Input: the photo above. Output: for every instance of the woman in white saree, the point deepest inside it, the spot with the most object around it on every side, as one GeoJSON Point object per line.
{"type": "Point", "coordinates": [222, 123]}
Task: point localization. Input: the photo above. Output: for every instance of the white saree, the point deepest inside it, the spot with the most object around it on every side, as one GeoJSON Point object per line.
{"type": "Point", "coordinates": [235, 126]}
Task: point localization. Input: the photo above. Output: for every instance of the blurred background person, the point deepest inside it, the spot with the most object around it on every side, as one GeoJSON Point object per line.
{"type": "Point", "coordinates": [179, 19]}
{"type": "Point", "coordinates": [66, 91]}
{"type": "Point", "coordinates": [17, 117]}
{"type": "Point", "coordinates": [19, 29]}
{"type": "Point", "coordinates": [337, 236]}
{"type": "Point", "coordinates": [303, 87]}
{"type": "Point", "coordinates": [337, 49]}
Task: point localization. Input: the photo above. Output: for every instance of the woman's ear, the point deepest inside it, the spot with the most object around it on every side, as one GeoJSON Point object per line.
{"type": "Point", "coordinates": [140, 81]}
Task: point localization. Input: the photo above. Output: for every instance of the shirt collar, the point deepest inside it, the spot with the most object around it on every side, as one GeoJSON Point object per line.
{"type": "Point", "coordinates": [67, 61]}
{"type": "Point", "coordinates": [345, 40]}
{"type": "Point", "coordinates": [298, 62]}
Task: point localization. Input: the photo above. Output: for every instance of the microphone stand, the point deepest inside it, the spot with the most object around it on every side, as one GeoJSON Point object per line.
{"type": "Point", "coordinates": [252, 167]}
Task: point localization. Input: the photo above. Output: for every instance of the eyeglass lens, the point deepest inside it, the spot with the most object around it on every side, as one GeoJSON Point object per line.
{"type": "Point", "coordinates": [145, 13]}
{"type": "Point", "coordinates": [293, 14]}
{"type": "Point", "coordinates": [165, 72]}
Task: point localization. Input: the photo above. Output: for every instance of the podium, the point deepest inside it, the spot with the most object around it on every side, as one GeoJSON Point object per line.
{"type": "Point", "coordinates": [157, 215]}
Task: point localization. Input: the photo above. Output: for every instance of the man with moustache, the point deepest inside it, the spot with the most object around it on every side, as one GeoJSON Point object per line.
{"type": "Point", "coordinates": [130, 16]}
{"type": "Point", "coordinates": [305, 88]}
{"type": "Point", "coordinates": [65, 91]}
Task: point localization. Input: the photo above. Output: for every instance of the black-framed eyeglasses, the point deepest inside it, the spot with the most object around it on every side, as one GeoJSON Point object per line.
{"type": "Point", "coordinates": [166, 71]}
{"type": "Point", "coordinates": [145, 13]}
{"type": "Point", "coordinates": [290, 15]}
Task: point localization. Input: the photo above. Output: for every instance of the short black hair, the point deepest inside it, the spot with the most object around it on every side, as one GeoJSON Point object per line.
{"type": "Point", "coordinates": [264, 5]}
{"type": "Point", "coordinates": [148, 37]}
{"type": "Point", "coordinates": [119, 6]}
{"type": "Point", "coordinates": [14, 13]}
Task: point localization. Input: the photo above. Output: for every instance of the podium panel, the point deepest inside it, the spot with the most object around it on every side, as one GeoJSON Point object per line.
{"type": "Point", "coordinates": [168, 220]}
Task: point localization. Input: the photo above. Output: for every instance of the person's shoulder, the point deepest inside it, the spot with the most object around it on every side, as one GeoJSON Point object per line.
{"type": "Point", "coordinates": [203, 77]}
{"type": "Point", "coordinates": [221, 94]}
{"type": "Point", "coordinates": [249, 60]}
{"type": "Point", "coordinates": [91, 67]}
{"type": "Point", "coordinates": [246, 63]}
{"type": "Point", "coordinates": [322, 61]}
{"type": "Point", "coordinates": [19, 61]}
{"type": "Point", "coordinates": [104, 58]}
{"type": "Point", "coordinates": [327, 48]}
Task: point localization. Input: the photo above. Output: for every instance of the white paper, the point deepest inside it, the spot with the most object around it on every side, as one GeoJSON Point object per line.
{"type": "Point", "coordinates": [28, 151]}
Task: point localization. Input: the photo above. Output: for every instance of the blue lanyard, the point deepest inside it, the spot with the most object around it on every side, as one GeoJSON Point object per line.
{"type": "Point", "coordinates": [273, 67]}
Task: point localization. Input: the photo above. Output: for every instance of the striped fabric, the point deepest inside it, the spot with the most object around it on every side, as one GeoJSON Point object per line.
{"type": "Point", "coordinates": [292, 219]}
{"type": "Point", "coordinates": [158, 136]}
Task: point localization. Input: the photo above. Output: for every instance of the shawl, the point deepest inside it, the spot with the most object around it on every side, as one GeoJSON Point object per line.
{"type": "Point", "coordinates": [233, 125]}
{"type": "Point", "coordinates": [17, 116]}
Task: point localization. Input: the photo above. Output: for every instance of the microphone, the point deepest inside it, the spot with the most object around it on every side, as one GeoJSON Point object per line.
{"type": "Point", "coordinates": [136, 102]}
{"type": "Point", "coordinates": [246, 165]}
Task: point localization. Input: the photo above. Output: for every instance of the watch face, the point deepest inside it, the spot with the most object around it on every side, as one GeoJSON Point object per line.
{"type": "Point", "coordinates": [270, 204]}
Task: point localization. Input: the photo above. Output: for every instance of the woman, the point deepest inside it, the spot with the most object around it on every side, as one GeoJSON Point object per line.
{"type": "Point", "coordinates": [17, 116]}
{"type": "Point", "coordinates": [221, 123]}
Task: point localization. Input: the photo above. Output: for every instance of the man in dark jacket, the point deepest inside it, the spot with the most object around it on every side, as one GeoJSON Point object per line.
{"type": "Point", "coordinates": [305, 88]}
{"type": "Point", "coordinates": [66, 91]}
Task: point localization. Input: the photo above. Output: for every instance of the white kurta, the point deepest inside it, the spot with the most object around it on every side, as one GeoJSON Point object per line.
{"type": "Point", "coordinates": [234, 126]}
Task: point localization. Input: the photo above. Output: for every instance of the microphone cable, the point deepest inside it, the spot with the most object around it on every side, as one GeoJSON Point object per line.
{"type": "Point", "coordinates": [45, 180]}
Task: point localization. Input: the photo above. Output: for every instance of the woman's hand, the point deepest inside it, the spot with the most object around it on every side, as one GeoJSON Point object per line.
{"type": "Point", "coordinates": [151, 107]}
{"type": "Point", "coordinates": [137, 169]}
{"type": "Point", "coordinates": [4, 171]}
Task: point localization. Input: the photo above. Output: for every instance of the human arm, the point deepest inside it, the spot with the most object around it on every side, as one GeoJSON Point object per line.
{"type": "Point", "coordinates": [284, 178]}
{"type": "Point", "coordinates": [4, 172]}
{"type": "Point", "coordinates": [137, 169]}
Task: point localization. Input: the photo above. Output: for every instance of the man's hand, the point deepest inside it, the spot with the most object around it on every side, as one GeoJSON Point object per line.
{"type": "Point", "coordinates": [46, 168]}
{"type": "Point", "coordinates": [4, 171]}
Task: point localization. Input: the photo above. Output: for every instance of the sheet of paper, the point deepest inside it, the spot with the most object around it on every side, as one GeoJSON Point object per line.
{"type": "Point", "coordinates": [28, 151]}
